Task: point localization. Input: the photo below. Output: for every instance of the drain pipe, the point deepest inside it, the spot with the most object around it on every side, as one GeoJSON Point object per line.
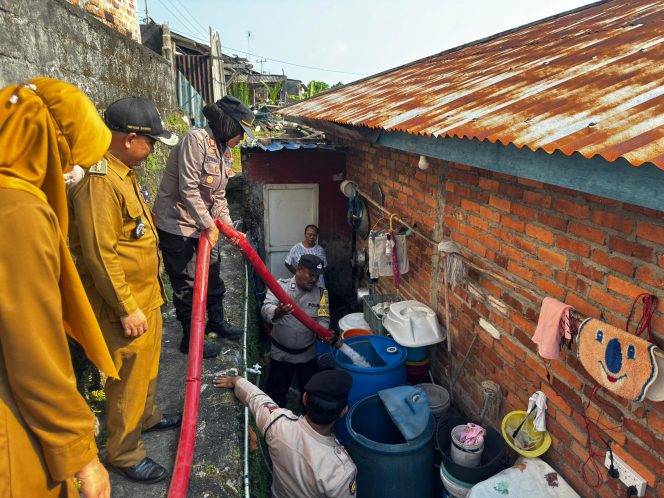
{"type": "Point", "coordinates": [184, 458]}
{"type": "Point", "coordinates": [267, 277]}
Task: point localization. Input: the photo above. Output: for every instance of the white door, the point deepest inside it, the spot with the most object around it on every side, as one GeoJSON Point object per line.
{"type": "Point", "coordinates": [288, 209]}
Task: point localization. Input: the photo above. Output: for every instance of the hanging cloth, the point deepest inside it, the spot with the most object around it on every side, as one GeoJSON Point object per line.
{"type": "Point", "coordinates": [552, 325]}
{"type": "Point", "coordinates": [380, 263]}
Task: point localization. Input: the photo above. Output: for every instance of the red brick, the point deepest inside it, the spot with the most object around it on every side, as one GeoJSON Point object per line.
{"type": "Point", "coordinates": [571, 281]}
{"type": "Point", "coordinates": [589, 272]}
{"type": "Point", "coordinates": [623, 287]}
{"type": "Point", "coordinates": [513, 223]}
{"type": "Point", "coordinates": [538, 266]}
{"type": "Point", "coordinates": [571, 208]}
{"type": "Point", "coordinates": [571, 245]}
{"type": "Point", "coordinates": [527, 246]}
{"type": "Point", "coordinates": [530, 183]}
{"type": "Point", "coordinates": [524, 212]}
{"type": "Point", "coordinates": [653, 233]}
{"type": "Point", "coordinates": [570, 425]}
{"type": "Point", "coordinates": [613, 263]}
{"type": "Point", "coordinates": [549, 287]}
{"type": "Point", "coordinates": [552, 221]}
{"type": "Point", "coordinates": [612, 221]}
{"type": "Point", "coordinates": [587, 232]}
{"type": "Point", "coordinates": [488, 184]}
{"type": "Point", "coordinates": [553, 257]}
{"type": "Point", "coordinates": [656, 422]}
{"type": "Point", "coordinates": [581, 304]}
{"type": "Point", "coordinates": [489, 214]}
{"type": "Point", "coordinates": [660, 260]}
{"type": "Point", "coordinates": [609, 301]}
{"type": "Point", "coordinates": [520, 271]}
{"type": "Point", "coordinates": [636, 428]}
{"type": "Point", "coordinates": [540, 233]}
{"type": "Point", "coordinates": [562, 373]}
{"type": "Point", "coordinates": [648, 276]}
{"type": "Point", "coordinates": [540, 200]}
{"type": "Point", "coordinates": [499, 203]}
{"type": "Point", "coordinates": [630, 248]}
{"type": "Point", "coordinates": [471, 206]}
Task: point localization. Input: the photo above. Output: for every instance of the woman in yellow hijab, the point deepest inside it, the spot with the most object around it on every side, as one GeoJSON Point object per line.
{"type": "Point", "coordinates": [46, 427]}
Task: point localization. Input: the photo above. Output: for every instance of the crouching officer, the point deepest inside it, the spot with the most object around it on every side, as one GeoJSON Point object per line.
{"type": "Point", "coordinates": [307, 460]}
{"type": "Point", "coordinates": [293, 349]}
{"type": "Point", "coordinates": [117, 256]}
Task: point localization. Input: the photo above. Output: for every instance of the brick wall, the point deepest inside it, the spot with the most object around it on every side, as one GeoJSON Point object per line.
{"type": "Point", "coordinates": [118, 14]}
{"type": "Point", "coordinates": [593, 253]}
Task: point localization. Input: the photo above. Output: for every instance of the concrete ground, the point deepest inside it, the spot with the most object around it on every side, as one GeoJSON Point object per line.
{"type": "Point", "coordinates": [218, 461]}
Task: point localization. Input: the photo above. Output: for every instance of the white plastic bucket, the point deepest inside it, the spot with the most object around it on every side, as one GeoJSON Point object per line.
{"type": "Point", "coordinates": [454, 488]}
{"type": "Point", "coordinates": [465, 454]}
{"type": "Point", "coordinates": [439, 399]}
{"type": "Point", "coordinates": [353, 321]}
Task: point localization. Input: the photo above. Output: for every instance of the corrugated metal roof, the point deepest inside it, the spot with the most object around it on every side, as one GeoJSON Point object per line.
{"type": "Point", "coordinates": [588, 81]}
{"type": "Point", "coordinates": [197, 69]}
{"type": "Point", "coordinates": [294, 145]}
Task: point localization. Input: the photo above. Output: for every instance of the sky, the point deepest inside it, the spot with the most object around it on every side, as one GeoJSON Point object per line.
{"type": "Point", "coordinates": [344, 40]}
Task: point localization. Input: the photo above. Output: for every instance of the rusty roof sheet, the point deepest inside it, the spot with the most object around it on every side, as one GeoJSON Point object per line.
{"type": "Point", "coordinates": [589, 80]}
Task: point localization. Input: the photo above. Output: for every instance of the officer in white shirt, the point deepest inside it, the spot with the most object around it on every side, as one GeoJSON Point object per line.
{"type": "Point", "coordinates": [307, 460]}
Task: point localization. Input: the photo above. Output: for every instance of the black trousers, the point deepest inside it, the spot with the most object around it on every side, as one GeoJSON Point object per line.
{"type": "Point", "coordinates": [180, 263]}
{"type": "Point", "coordinates": [281, 375]}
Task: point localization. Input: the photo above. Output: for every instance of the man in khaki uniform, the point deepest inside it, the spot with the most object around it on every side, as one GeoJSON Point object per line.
{"type": "Point", "coordinates": [307, 460]}
{"type": "Point", "coordinates": [115, 244]}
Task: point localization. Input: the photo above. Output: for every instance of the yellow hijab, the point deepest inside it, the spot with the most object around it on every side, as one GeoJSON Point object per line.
{"type": "Point", "coordinates": [47, 126]}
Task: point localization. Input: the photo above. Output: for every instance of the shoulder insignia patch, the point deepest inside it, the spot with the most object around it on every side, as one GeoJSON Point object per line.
{"type": "Point", "coordinates": [353, 487]}
{"type": "Point", "coordinates": [99, 168]}
{"type": "Point", "coordinates": [212, 143]}
{"type": "Point", "coordinates": [270, 407]}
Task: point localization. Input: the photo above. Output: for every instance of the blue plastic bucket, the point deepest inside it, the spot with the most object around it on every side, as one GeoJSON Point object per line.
{"type": "Point", "coordinates": [387, 464]}
{"type": "Point", "coordinates": [418, 354]}
{"type": "Point", "coordinates": [388, 369]}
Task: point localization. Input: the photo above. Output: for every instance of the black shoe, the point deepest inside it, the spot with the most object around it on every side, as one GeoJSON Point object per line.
{"type": "Point", "coordinates": [210, 349]}
{"type": "Point", "coordinates": [167, 422]}
{"type": "Point", "coordinates": [223, 329]}
{"type": "Point", "coordinates": [147, 471]}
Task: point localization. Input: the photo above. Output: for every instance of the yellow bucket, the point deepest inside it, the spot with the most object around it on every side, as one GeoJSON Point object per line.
{"type": "Point", "coordinates": [529, 442]}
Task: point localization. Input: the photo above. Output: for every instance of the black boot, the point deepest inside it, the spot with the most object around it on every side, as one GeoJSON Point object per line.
{"type": "Point", "coordinates": [210, 349]}
{"type": "Point", "coordinates": [216, 324]}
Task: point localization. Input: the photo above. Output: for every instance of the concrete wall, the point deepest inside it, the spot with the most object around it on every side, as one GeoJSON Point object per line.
{"type": "Point", "coordinates": [591, 252]}
{"type": "Point", "coordinates": [53, 38]}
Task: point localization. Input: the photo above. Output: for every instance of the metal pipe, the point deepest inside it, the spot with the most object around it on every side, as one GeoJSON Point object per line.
{"type": "Point", "coordinates": [184, 458]}
{"type": "Point", "coordinates": [246, 408]}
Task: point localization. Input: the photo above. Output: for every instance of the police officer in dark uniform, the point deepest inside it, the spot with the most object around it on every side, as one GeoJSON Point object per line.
{"type": "Point", "coordinates": [293, 349]}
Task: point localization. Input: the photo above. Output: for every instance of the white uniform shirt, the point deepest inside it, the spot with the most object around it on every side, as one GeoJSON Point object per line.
{"type": "Point", "coordinates": [305, 464]}
{"type": "Point", "coordinates": [298, 250]}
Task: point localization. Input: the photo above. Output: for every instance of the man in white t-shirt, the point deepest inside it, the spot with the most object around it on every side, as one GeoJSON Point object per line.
{"type": "Point", "coordinates": [308, 246]}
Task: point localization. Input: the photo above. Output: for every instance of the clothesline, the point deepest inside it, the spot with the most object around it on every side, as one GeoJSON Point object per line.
{"type": "Point", "coordinates": [463, 256]}
{"type": "Point", "coordinates": [470, 263]}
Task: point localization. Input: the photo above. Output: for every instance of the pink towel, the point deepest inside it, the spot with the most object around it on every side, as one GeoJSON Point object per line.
{"type": "Point", "coordinates": [553, 321]}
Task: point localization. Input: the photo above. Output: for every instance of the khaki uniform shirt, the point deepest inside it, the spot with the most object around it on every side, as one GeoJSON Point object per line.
{"type": "Point", "coordinates": [117, 267]}
{"type": "Point", "coordinates": [305, 464]}
{"type": "Point", "coordinates": [46, 428]}
{"type": "Point", "coordinates": [192, 192]}
{"type": "Point", "coordinates": [288, 330]}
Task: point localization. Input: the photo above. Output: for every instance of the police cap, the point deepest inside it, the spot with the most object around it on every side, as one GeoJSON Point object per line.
{"type": "Point", "coordinates": [314, 263]}
{"type": "Point", "coordinates": [330, 385]}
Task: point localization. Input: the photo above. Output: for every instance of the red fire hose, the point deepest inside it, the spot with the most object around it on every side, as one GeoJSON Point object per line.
{"type": "Point", "coordinates": [184, 458]}
{"type": "Point", "coordinates": [267, 277]}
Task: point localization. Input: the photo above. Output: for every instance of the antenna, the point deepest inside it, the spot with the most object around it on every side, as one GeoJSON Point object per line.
{"type": "Point", "coordinates": [249, 35]}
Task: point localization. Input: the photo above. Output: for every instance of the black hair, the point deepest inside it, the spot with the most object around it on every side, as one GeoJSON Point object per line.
{"type": "Point", "coordinates": [312, 226]}
{"type": "Point", "coordinates": [322, 411]}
